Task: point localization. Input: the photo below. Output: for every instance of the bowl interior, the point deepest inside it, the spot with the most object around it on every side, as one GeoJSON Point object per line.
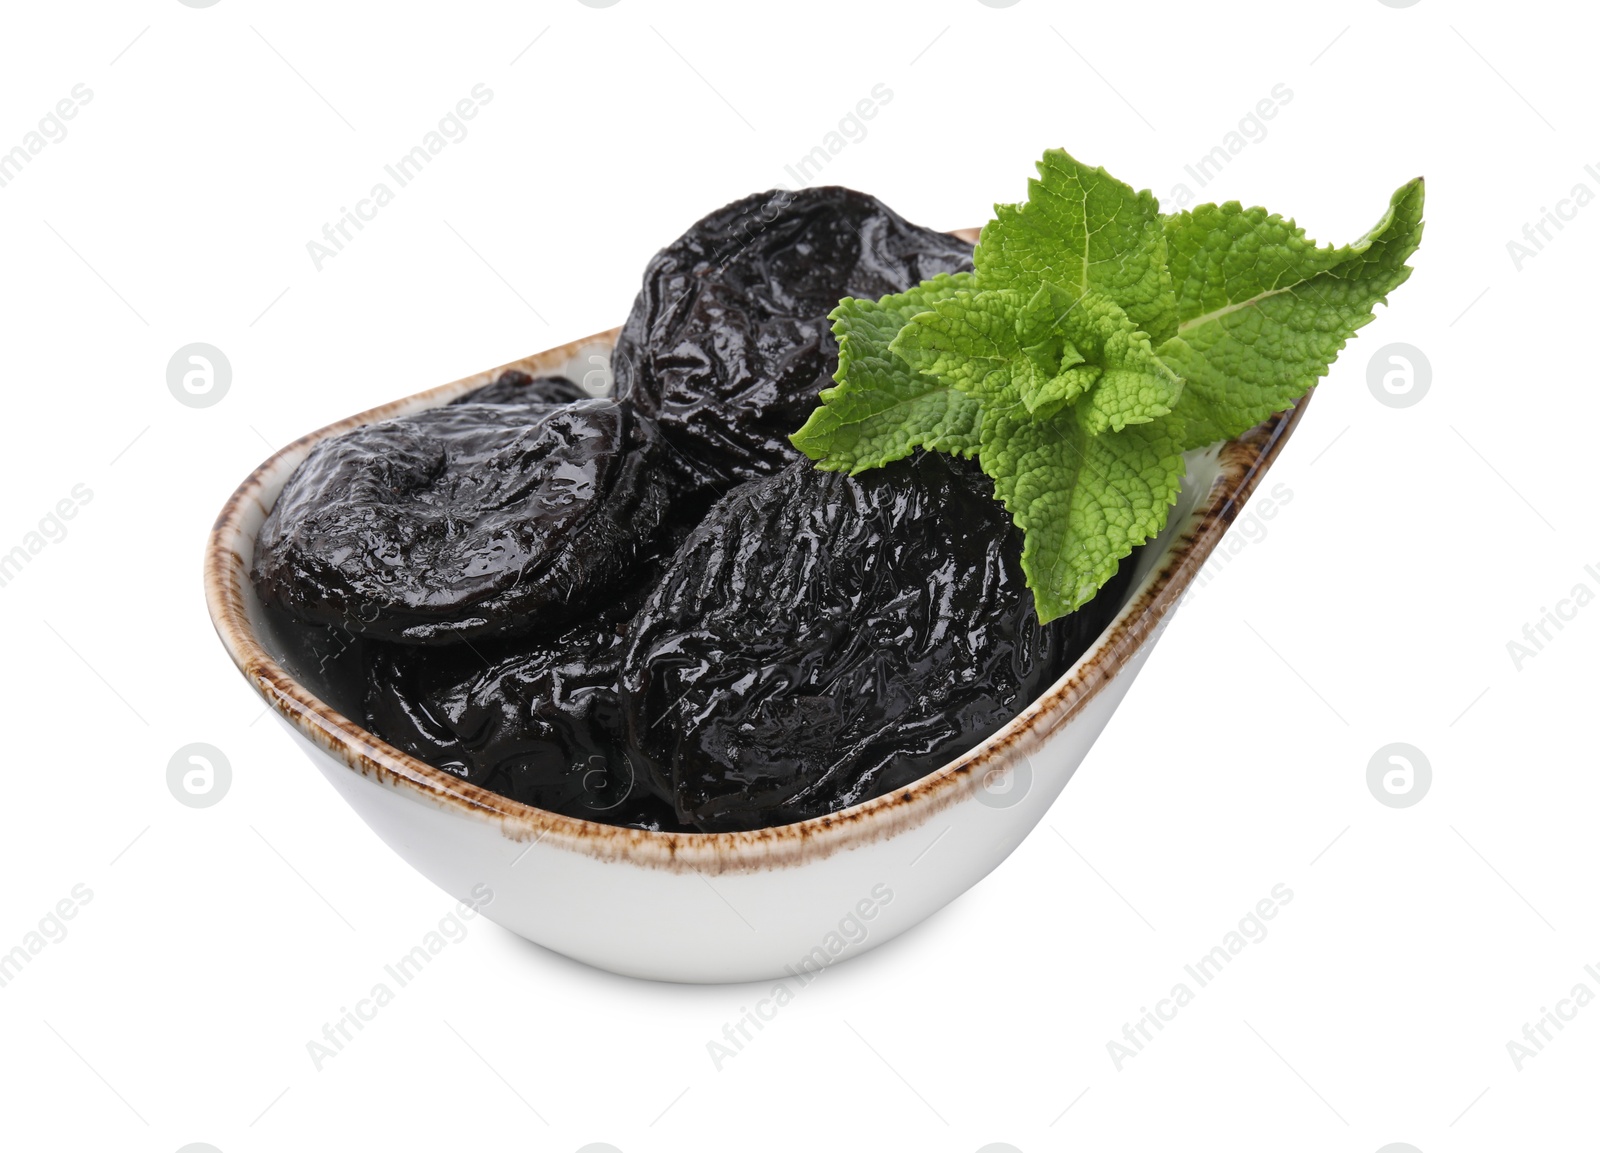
{"type": "Point", "coordinates": [327, 660]}
{"type": "Point", "coordinates": [303, 671]}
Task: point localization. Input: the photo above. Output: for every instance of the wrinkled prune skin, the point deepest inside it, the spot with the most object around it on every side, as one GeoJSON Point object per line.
{"type": "Point", "coordinates": [534, 719]}
{"type": "Point", "coordinates": [822, 639]}
{"type": "Point", "coordinates": [467, 521]}
{"type": "Point", "coordinates": [729, 341]}
{"type": "Point", "coordinates": [517, 387]}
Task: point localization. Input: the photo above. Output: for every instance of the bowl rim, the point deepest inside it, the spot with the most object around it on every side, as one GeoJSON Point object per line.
{"type": "Point", "coordinates": [1241, 464]}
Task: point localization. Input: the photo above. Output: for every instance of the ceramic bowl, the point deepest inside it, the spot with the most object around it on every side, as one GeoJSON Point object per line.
{"type": "Point", "coordinates": [705, 907]}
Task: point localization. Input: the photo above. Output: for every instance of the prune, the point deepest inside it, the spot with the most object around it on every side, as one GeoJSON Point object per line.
{"type": "Point", "coordinates": [517, 387]}
{"type": "Point", "coordinates": [535, 719]}
{"type": "Point", "coordinates": [822, 639]}
{"type": "Point", "coordinates": [729, 343]}
{"type": "Point", "coordinates": [467, 521]}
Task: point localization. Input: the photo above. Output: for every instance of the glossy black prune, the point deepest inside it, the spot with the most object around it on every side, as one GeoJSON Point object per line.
{"type": "Point", "coordinates": [729, 343]}
{"type": "Point", "coordinates": [517, 387]}
{"type": "Point", "coordinates": [467, 521]}
{"type": "Point", "coordinates": [534, 719]}
{"type": "Point", "coordinates": [822, 639]}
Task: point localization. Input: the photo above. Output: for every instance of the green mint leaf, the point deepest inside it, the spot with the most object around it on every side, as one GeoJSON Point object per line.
{"type": "Point", "coordinates": [1082, 501]}
{"type": "Point", "coordinates": [880, 410]}
{"type": "Point", "coordinates": [1263, 311]}
{"type": "Point", "coordinates": [1082, 229]}
{"type": "Point", "coordinates": [974, 342]}
{"type": "Point", "coordinates": [1132, 385]}
{"type": "Point", "coordinates": [1062, 373]}
{"type": "Point", "coordinates": [1043, 397]}
{"type": "Point", "coordinates": [968, 341]}
{"type": "Point", "coordinates": [1046, 353]}
{"type": "Point", "coordinates": [1095, 343]}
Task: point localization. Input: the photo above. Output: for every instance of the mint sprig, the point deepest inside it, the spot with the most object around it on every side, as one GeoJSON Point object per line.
{"type": "Point", "coordinates": [880, 410]}
{"type": "Point", "coordinates": [1263, 311]}
{"type": "Point", "coordinates": [1096, 342]}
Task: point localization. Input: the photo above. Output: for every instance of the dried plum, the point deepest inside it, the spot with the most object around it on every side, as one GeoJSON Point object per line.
{"type": "Point", "coordinates": [535, 719]}
{"type": "Point", "coordinates": [822, 639]}
{"type": "Point", "coordinates": [729, 343]}
{"type": "Point", "coordinates": [517, 387]}
{"type": "Point", "coordinates": [467, 521]}
{"type": "Point", "coordinates": [505, 581]}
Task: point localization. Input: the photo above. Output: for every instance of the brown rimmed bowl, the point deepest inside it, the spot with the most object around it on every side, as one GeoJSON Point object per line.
{"type": "Point", "coordinates": [772, 903]}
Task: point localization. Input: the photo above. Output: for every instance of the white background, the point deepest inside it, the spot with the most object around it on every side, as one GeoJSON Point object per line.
{"type": "Point", "coordinates": [1415, 543]}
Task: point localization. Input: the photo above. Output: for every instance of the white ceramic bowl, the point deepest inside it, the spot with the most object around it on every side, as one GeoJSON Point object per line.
{"type": "Point", "coordinates": [718, 906]}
